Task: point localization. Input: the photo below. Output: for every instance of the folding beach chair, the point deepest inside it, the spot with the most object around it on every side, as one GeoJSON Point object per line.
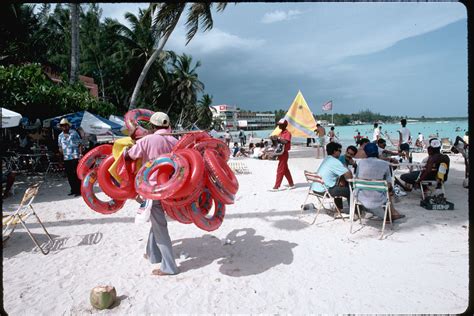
{"type": "Point", "coordinates": [322, 197]}
{"type": "Point", "coordinates": [443, 169]}
{"type": "Point", "coordinates": [371, 185]}
{"type": "Point", "coordinates": [24, 211]}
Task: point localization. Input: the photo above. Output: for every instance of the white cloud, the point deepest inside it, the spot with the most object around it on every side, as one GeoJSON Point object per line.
{"type": "Point", "coordinates": [211, 41]}
{"type": "Point", "coordinates": [278, 16]}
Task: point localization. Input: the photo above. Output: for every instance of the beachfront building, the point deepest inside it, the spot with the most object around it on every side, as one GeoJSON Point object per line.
{"type": "Point", "coordinates": [226, 115]}
{"type": "Point", "coordinates": [255, 121]}
{"type": "Point", "coordinates": [232, 118]}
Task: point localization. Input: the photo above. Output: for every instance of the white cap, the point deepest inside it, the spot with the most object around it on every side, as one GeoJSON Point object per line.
{"type": "Point", "coordinates": [435, 143]}
{"type": "Point", "coordinates": [160, 119]}
{"type": "Point", "coordinates": [282, 121]}
{"type": "Point", "coordinates": [64, 121]}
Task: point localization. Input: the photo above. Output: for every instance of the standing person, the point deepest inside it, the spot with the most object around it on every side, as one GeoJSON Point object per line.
{"type": "Point", "coordinates": [213, 133]}
{"type": "Point", "coordinates": [283, 170]}
{"type": "Point", "coordinates": [321, 133]}
{"type": "Point", "coordinates": [227, 137]}
{"type": "Point", "coordinates": [376, 134]}
{"type": "Point", "coordinates": [158, 248]}
{"type": "Point", "coordinates": [404, 137]}
{"type": "Point", "coordinates": [70, 146]}
{"type": "Point", "coordinates": [357, 138]}
{"type": "Point", "coordinates": [242, 138]}
{"type": "Point", "coordinates": [332, 135]}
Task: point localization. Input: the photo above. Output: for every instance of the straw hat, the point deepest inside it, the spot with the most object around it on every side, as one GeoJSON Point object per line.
{"type": "Point", "coordinates": [64, 121]}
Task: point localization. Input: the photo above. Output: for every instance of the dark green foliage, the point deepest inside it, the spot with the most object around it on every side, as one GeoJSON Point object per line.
{"type": "Point", "coordinates": [111, 53]}
{"type": "Point", "coordinates": [27, 90]}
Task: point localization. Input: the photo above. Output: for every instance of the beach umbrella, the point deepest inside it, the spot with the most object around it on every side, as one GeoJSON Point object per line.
{"type": "Point", "coordinates": [10, 118]}
{"type": "Point", "coordinates": [91, 123]}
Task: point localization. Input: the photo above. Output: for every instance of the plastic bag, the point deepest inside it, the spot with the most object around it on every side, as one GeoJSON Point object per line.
{"type": "Point", "coordinates": [143, 212]}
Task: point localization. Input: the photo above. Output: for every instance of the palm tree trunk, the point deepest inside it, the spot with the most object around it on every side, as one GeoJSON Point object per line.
{"type": "Point", "coordinates": [146, 68]}
{"type": "Point", "coordinates": [74, 43]}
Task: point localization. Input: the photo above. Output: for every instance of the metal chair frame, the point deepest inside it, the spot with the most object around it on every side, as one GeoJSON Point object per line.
{"type": "Point", "coordinates": [312, 177]}
{"type": "Point", "coordinates": [22, 213]}
{"type": "Point", "coordinates": [372, 185]}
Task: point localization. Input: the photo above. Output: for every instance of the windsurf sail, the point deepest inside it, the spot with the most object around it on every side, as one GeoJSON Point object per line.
{"type": "Point", "coordinates": [301, 122]}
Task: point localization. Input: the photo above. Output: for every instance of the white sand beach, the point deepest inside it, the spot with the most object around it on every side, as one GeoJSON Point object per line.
{"type": "Point", "coordinates": [265, 258]}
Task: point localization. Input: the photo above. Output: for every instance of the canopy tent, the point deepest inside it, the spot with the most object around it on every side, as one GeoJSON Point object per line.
{"type": "Point", "coordinates": [90, 123]}
{"type": "Point", "coordinates": [117, 119]}
{"type": "Point", "coordinates": [10, 118]}
{"type": "Point", "coordinates": [301, 122]}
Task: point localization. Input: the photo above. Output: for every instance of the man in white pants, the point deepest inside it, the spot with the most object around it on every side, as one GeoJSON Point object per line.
{"type": "Point", "coordinates": [159, 248]}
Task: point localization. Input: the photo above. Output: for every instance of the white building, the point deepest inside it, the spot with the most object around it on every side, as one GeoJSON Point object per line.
{"type": "Point", "coordinates": [233, 119]}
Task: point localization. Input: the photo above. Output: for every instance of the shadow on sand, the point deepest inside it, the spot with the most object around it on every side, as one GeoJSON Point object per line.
{"type": "Point", "coordinates": [243, 253]}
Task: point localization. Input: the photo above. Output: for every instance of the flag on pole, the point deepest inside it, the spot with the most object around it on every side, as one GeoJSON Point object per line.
{"type": "Point", "coordinates": [327, 106]}
{"type": "Point", "coordinates": [301, 122]}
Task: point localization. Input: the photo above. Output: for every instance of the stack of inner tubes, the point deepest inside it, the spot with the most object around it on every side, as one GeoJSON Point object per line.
{"type": "Point", "coordinates": [189, 181]}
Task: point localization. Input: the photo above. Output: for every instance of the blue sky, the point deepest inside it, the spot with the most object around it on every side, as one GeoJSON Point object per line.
{"type": "Point", "coordinates": [391, 58]}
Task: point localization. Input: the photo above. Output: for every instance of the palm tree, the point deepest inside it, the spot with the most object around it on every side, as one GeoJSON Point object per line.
{"type": "Point", "coordinates": [167, 17]}
{"type": "Point", "coordinates": [75, 8]}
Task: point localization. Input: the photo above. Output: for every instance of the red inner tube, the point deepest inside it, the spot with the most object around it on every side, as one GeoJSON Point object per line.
{"type": "Point", "coordinates": [221, 171]}
{"type": "Point", "coordinates": [216, 144]}
{"type": "Point", "coordinates": [196, 165]}
{"type": "Point", "coordinates": [108, 186]}
{"type": "Point", "coordinates": [168, 163]}
{"type": "Point", "coordinates": [91, 158]}
{"type": "Point", "coordinates": [87, 192]}
{"type": "Point", "coordinates": [190, 139]}
{"type": "Point", "coordinates": [203, 222]}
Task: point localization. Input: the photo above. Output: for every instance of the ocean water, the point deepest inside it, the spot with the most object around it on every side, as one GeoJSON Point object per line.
{"type": "Point", "coordinates": [346, 133]}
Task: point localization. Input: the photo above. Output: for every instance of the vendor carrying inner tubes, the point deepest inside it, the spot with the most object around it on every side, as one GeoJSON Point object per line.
{"type": "Point", "coordinates": [159, 248]}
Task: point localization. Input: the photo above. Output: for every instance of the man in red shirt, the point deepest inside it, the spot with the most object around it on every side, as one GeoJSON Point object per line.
{"type": "Point", "coordinates": [282, 170]}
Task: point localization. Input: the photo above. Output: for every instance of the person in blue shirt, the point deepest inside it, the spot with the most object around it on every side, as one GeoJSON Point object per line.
{"type": "Point", "coordinates": [334, 174]}
{"type": "Point", "coordinates": [70, 145]}
{"type": "Point", "coordinates": [347, 159]}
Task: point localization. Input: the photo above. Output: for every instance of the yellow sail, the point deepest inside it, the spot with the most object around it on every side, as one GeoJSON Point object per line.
{"type": "Point", "coordinates": [301, 122]}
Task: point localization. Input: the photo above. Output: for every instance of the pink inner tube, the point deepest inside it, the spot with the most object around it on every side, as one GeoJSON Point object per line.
{"type": "Point", "coordinates": [131, 121]}
{"type": "Point", "coordinates": [91, 159]}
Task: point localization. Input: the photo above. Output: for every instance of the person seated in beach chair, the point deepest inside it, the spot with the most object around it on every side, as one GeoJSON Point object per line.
{"type": "Point", "coordinates": [334, 175]}
{"type": "Point", "coordinates": [360, 151]}
{"type": "Point", "coordinates": [257, 152]}
{"type": "Point", "coordinates": [374, 168]}
{"type": "Point", "coordinates": [384, 153]}
{"type": "Point", "coordinates": [347, 159]}
{"type": "Point", "coordinates": [435, 158]}
{"type": "Point", "coordinates": [235, 149]}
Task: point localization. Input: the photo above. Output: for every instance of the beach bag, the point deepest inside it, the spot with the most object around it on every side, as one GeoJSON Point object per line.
{"type": "Point", "coordinates": [279, 150]}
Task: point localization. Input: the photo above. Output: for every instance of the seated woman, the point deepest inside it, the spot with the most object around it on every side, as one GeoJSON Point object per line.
{"type": "Point", "coordinates": [257, 152]}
